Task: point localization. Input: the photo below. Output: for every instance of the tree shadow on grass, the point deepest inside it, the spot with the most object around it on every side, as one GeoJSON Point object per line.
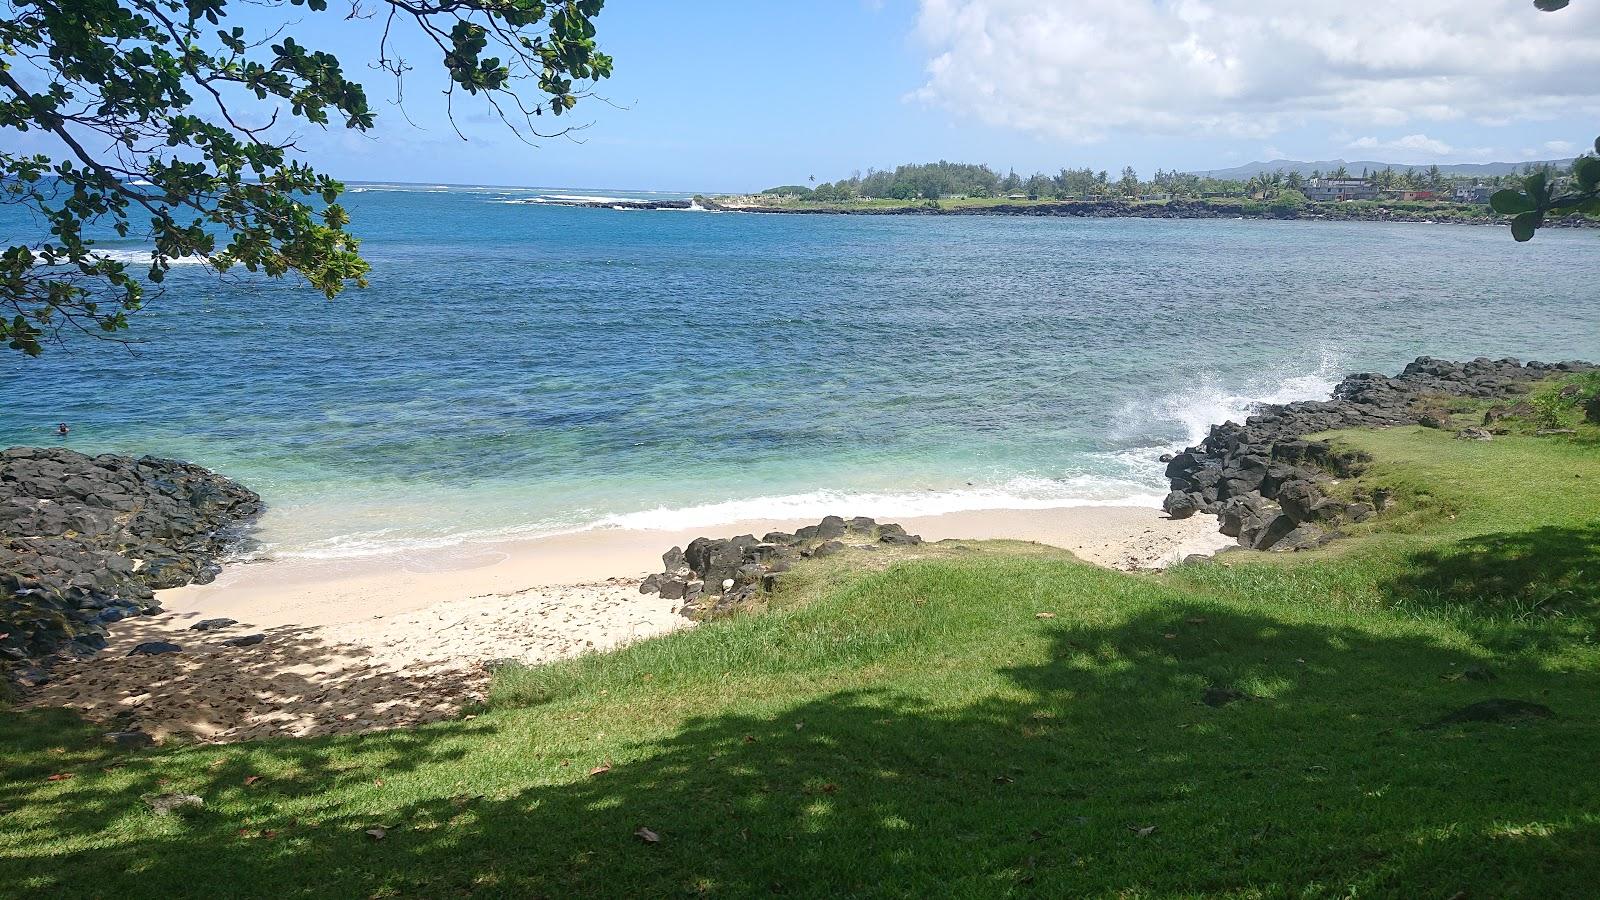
{"type": "Point", "coordinates": [293, 682]}
{"type": "Point", "coordinates": [1511, 589]}
{"type": "Point", "coordinates": [1092, 764]}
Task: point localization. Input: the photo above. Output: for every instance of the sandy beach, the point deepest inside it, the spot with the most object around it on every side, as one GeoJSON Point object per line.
{"type": "Point", "coordinates": [378, 642]}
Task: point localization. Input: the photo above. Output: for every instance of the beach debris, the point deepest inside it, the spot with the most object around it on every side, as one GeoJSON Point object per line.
{"type": "Point", "coordinates": [646, 835]}
{"type": "Point", "coordinates": [212, 624]}
{"type": "Point", "coordinates": [155, 648]}
{"type": "Point", "coordinates": [167, 804]}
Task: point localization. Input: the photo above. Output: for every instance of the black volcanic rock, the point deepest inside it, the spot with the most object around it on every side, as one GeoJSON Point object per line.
{"type": "Point", "coordinates": [1264, 478]}
{"type": "Point", "coordinates": [84, 542]}
{"type": "Point", "coordinates": [716, 576]}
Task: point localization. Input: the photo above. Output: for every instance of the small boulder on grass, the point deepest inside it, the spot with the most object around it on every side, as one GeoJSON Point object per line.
{"type": "Point", "coordinates": [167, 804]}
{"type": "Point", "coordinates": [1498, 710]}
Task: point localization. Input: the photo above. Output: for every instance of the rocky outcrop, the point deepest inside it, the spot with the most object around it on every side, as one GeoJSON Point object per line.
{"type": "Point", "coordinates": [85, 541]}
{"type": "Point", "coordinates": [1266, 483]}
{"type": "Point", "coordinates": [715, 576]}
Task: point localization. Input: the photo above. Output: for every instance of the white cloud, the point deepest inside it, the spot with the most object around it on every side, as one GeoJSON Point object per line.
{"type": "Point", "coordinates": [1414, 147]}
{"type": "Point", "coordinates": [1561, 147]}
{"type": "Point", "coordinates": [1079, 69]}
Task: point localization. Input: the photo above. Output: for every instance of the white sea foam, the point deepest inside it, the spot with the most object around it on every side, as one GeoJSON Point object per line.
{"type": "Point", "coordinates": [1187, 415]}
{"type": "Point", "coordinates": [1017, 493]}
{"type": "Point", "coordinates": [1128, 476]}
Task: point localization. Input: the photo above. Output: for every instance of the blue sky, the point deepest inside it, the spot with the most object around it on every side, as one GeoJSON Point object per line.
{"type": "Point", "coordinates": [717, 95]}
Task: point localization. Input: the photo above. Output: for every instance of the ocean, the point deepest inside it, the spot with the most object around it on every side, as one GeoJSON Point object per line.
{"type": "Point", "coordinates": [520, 368]}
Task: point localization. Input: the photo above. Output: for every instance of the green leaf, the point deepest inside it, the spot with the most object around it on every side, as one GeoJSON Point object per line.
{"type": "Point", "coordinates": [1523, 226]}
{"type": "Point", "coordinates": [1538, 187]}
{"type": "Point", "coordinates": [1511, 202]}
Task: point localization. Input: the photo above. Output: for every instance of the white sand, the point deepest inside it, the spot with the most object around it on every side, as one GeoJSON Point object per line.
{"type": "Point", "coordinates": [383, 642]}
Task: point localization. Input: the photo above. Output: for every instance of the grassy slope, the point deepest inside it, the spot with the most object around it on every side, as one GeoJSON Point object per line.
{"type": "Point", "coordinates": [917, 729]}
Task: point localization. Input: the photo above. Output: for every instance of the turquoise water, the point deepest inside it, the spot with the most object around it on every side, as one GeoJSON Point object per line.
{"type": "Point", "coordinates": [519, 368]}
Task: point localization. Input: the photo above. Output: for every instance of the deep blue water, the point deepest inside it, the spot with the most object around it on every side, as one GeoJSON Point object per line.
{"type": "Point", "coordinates": [518, 368]}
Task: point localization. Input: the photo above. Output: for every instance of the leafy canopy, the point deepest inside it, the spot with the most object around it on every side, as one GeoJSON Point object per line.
{"type": "Point", "coordinates": [171, 126]}
{"type": "Point", "coordinates": [1538, 198]}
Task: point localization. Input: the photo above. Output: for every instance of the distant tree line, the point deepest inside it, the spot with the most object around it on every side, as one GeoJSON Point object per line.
{"type": "Point", "coordinates": [945, 180]}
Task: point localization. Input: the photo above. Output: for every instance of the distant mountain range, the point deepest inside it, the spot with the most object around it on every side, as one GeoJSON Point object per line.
{"type": "Point", "coordinates": [1354, 167]}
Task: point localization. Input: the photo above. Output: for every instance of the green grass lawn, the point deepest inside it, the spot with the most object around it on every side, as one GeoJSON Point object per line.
{"type": "Point", "coordinates": [915, 727]}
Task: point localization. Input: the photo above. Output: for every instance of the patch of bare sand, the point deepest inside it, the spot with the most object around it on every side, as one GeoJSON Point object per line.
{"type": "Point", "coordinates": [382, 672]}
{"type": "Point", "coordinates": [384, 643]}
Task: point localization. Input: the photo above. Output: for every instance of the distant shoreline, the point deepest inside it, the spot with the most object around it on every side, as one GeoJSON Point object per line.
{"type": "Point", "coordinates": [1453, 214]}
{"type": "Point", "coordinates": [1355, 211]}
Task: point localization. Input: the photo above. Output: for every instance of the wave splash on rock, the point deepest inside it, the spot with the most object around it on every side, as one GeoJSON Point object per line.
{"type": "Point", "coordinates": [1265, 482]}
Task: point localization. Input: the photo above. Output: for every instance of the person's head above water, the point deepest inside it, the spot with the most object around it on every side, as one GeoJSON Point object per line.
{"type": "Point", "coordinates": [62, 428]}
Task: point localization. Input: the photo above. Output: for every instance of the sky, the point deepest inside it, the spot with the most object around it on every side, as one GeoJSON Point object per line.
{"type": "Point", "coordinates": [734, 95]}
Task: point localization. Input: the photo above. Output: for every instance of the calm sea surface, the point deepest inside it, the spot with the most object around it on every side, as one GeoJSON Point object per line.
{"type": "Point", "coordinates": [518, 368]}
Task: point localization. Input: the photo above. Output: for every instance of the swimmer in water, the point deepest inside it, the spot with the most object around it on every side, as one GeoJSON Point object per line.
{"type": "Point", "coordinates": [62, 429]}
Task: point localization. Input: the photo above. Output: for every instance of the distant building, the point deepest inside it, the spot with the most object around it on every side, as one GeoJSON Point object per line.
{"type": "Point", "coordinates": [1478, 193]}
{"type": "Point", "coordinates": [1331, 189]}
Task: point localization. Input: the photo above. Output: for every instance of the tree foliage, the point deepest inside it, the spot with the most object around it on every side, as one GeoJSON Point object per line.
{"type": "Point", "coordinates": [172, 124]}
{"type": "Point", "coordinates": [1540, 196]}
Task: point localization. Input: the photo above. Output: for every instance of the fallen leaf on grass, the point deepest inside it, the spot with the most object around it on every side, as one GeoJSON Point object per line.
{"type": "Point", "coordinates": [830, 788]}
{"type": "Point", "coordinates": [646, 835]}
{"type": "Point", "coordinates": [378, 833]}
{"type": "Point", "coordinates": [1146, 831]}
{"type": "Point", "coordinates": [1044, 615]}
{"type": "Point", "coordinates": [601, 769]}
{"type": "Point", "coordinates": [251, 779]}
{"type": "Point", "coordinates": [1196, 620]}
{"type": "Point", "coordinates": [59, 776]}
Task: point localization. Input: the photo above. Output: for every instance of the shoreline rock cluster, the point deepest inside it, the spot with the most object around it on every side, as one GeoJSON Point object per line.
{"type": "Point", "coordinates": [1267, 484]}
{"type": "Point", "coordinates": [715, 576]}
{"type": "Point", "coordinates": [85, 541]}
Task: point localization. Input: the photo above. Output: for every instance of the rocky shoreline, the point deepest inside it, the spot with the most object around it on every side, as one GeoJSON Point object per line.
{"type": "Point", "coordinates": [1176, 209]}
{"type": "Point", "coordinates": [714, 576]}
{"type": "Point", "coordinates": [85, 541]}
{"type": "Point", "coordinates": [1267, 484]}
